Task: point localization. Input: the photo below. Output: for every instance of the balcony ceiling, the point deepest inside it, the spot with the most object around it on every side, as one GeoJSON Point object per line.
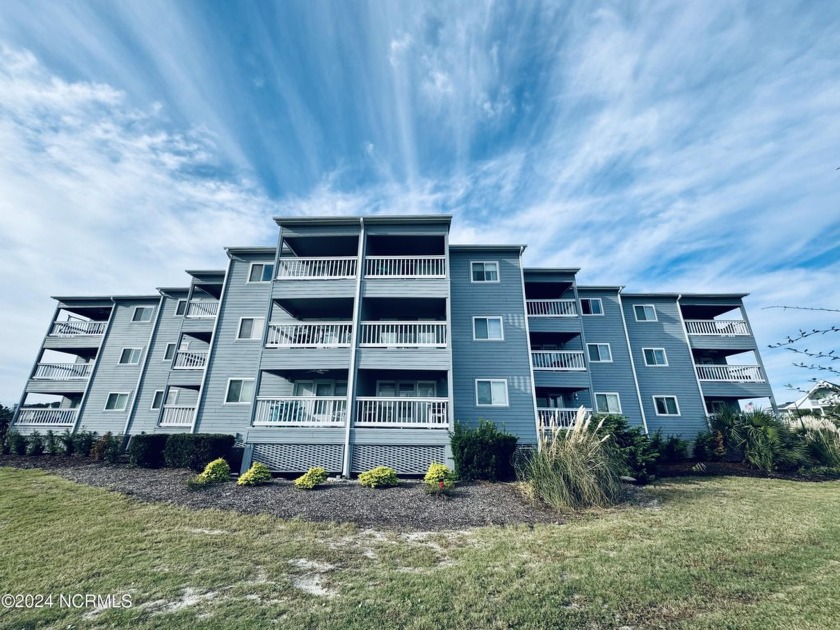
{"type": "Point", "coordinates": [709, 311]}
{"type": "Point", "coordinates": [318, 308]}
{"type": "Point", "coordinates": [405, 245]}
{"type": "Point", "coordinates": [323, 246]}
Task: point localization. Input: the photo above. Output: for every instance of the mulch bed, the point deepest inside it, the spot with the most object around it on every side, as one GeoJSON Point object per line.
{"type": "Point", "coordinates": [405, 507]}
{"type": "Point", "coordinates": [731, 469]}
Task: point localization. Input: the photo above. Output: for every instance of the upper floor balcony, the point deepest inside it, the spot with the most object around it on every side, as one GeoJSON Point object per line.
{"type": "Point", "coordinates": [552, 308]}
{"type": "Point", "coordinates": [76, 328]}
{"type": "Point", "coordinates": [63, 371]}
{"type": "Point", "coordinates": [717, 327]}
{"type": "Point", "coordinates": [202, 309]}
{"type": "Point", "coordinates": [405, 266]}
{"type": "Point", "coordinates": [415, 413]}
{"type": "Point", "coordinates": [403, 334]}
{"type": "Point", "coordinates": [309, 335]}
{"type": "Point", "coordinates": [558, 360]}
{"type": "Point", "coordinates": [177, 415]}
{"type": "Point", "coordinates": [556, 417]}
{"type": "Point", "coordinates": [190, 359]}
{"type": "Point", "coordinates": [301, 411]}
{"type": "Point", "coordinates": [47, 416]}
{"type": "Point", "coordinates": [730, 373]}
{"type": "Point", "coordinates": [317, 268]}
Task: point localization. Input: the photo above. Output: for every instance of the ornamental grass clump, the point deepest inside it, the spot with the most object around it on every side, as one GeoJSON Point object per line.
{"type": "Point", "coordinates": [574, 468]}
{"type": "Point", "coordinates": [257, 474]}
{"type": "Point", "coordinates": [379, 477]}
{"type": "Point", "coordinates": [313, 477]}
{"type": "Point", "coordinates": [821, 438]}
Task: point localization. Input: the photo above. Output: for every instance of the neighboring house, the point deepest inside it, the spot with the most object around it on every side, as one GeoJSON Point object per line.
{"type": "Point", "coordinates": [363, 339]}
{"type": "Point", "coordinates": [821, 399]}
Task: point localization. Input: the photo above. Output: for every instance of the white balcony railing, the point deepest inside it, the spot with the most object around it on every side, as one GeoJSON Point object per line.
{"type": "Point", "coordinates": [301, 411]}
{"type": "Point", "coordinates": [551, 308]}
{"type": "Point", "coordinates": [405, 267]}
{"type": "Point", "coordinates": [730, 373]}
{"type": "Point", "coordinates": [58, 417]}
{"type": "Point", "coordinates": [63, 371]}
{"type": "Point", "coordinates": [403, 334]}
{"type": "Point", "coordinates": [190, 359]}
{"type": "Point", "coordinates": [309, 335]}
{"type": "Point", "coordinates": [202, 309]}
{"type": "Point", "coordinates": [177, 415]}
{"type": "Point", "coordinates": [423, 413]}
{"type": "Point", "coordinates": [564, 360]}
{"type": "Point", "coordinates": [719, 327]}
{"type": "Point", "coordinates": [77, 328]}
{"type": "Point", "coordinates": [316, 268]}
{"type": "Point", "coordinates": [556, 417]}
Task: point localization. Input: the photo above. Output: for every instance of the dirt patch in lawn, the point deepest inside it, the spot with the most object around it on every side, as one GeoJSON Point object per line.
{"type": "Point", "coordinates": [405, 507]}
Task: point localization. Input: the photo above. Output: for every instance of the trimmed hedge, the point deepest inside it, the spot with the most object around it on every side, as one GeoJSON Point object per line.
{"type": "Point", "coordinates": [196, 450]}
{"type": "Point", "coordinates": [484, 452]}
{"type": "Point", "coordinates": [146, 450]}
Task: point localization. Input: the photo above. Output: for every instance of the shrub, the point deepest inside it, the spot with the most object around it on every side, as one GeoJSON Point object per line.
{"type": "Point", "coordinates": [638, 453]}
{"type": "Point", "coordinates": [483, 452]}
{"type": "Point", "coordinates": [52, 446]}
{"type": "Point", "coordinates": [35, 444]}
{"type": "Point", "coordinates": [146, 450]}
{"type": "Point", "coordinates": [106, 448]}
{"type": "Point", "coordinates": [15, 443]}
{"type": "Point", "coordinates": [574, 468]}
{"type": "Point", "coordinates": [66, 442]}
{"type": "Point", "coordinates": [217, 471]}
{"type": "Point", "coordinates": [255, 475]}
{"type": "Point", "coordinates": [709, 447]}
{"type": "Point", "coordinates": [312, 478]}
{"type": "Point", "coordinates": [5, 423]}
{"type": "Point", "coordinates": [439, 477]}
{"type": "Point", "coordinates": [674, 450]}
{"type": "Point", "coordinates": [821, 439]}
{"type": "Point", "coordinates": [196, 450]}
{"type": "Point", "coordinates": [379, 477]}
{"type": "Point", "coordinates": [83, 443]}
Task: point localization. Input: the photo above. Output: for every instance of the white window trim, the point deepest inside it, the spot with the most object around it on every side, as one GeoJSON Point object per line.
{"type": "Point", "coordinates": [599, 300]}
{"type": "Point", "coordinates": [491, 381]}
{"type": "Point", "coordinates": [636, 314]}
{"type": "Point", "coordinates": [609, 349]}
{"type": "Point", "coordinates": [174, 351]}
{"type": "Point", "coordinates": [664, 354]}
{"type": "Point", "coordinates": [142, 321]}
{"type": "Point", "coordinates": [122, 352]}
{"type": "Point", "coordinates": [595, 400]}
{"type": "Point", "coordinates": [162, 399]}
{"type": "Point", "coordinates": [501, 327]}
{"type": "Point", "coordinates": [227, 391]}
{"type": "Point", "coordinates": [239, 329]}
{"type": "Point", "coordinates": [177, 302]}
{"type": "Point", "coordinates": [486, 262]}
{"type": "Point", "coordinates": [676, 404]}
{"type": "Point", "coordinates": [115, 410]}
{"type": "Point", "coordinates": [260, 281]}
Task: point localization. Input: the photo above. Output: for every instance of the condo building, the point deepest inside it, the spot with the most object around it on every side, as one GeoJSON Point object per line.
{"type": "Point", "coordinates": [360, 341]}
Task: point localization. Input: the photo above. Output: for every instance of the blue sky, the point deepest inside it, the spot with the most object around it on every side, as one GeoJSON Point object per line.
{"type": "Point", "coordinates": [667, 146]}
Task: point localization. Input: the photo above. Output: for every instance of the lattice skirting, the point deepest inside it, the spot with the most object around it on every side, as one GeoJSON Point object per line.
{"type": "Point", "coordinates": [300, 457]}
{"type": "Point", "coordinates": [406, 460]}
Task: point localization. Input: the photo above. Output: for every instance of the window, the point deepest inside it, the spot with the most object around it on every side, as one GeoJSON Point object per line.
{"type": "Point", "coordinates": [607, 403]}
{"type": "Point", "coordinates": [599, 352]}
{"type": "Point", "coordinates": [491, 393]}
{"type": "Point", "coordinates": [645, 312]}
{"type": "Point", "coordinates": [261, 272]}
{"type": "Point", "coordinates": [116, 402]}
{"type": "Point", "coordinates": [130, 356]}
{"type": "Point", "coordinates": [666, 405]}
{"type": "Point", "coordinates": [180, 308]}
{"type": "Point", "coordinates": [488, 328]}
{"type": "Point", "coordinates": [484, 271]}
{"type": "Point", "coordinates": [655, 356]}
{"type": "Point", "coordinates": [240, 391]}
{"type": "Point", "coordinates": [142, 314]}
{"type": "Point", "coordinates": [157, 399]}
{"type": "Point", "coordinates": [251, 328]}
{"type": "Point", "coordinates": [591, 306]}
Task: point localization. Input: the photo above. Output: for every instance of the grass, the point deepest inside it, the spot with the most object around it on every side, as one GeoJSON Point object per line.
{"type": "Point", "coordinates": [700, 553]}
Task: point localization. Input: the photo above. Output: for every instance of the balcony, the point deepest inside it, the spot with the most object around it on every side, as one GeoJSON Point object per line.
{"type": "Point", "coordinates": [190, 359]}
{"type": "Point", "coordinates": [301, 411]}
{"type": "Point", "coordinates": [204, 309]}
{"type": "Point", "coordinates": [558, 360]}
{"type": "Point", "coordinates": [177, 415]}
{"type": "Point", "coordinates": [403, 334]}
{"type": "Point", "coordinates": [551, 308]}
{"type": "Point", "coordinates": [320, 268]}
{"type": "Point", "coordinates": [415, 413]}
{"type": "Point", "coordinates": [717, 327]}
{"type": "Point", "coordinates": [53, 417]}
{"type": "Point", "coordinates": [309, 335]}
{"type": "Point", "coordinates": [405, 267]}
{"type": "Point", "coordinates": [78, 328]}
{"type": "Point", "coordinates": [63, 371]}
{"type": "Point", "coordinates": [557, 417]}
{"type": "Point", "coordinates": [730, 373]}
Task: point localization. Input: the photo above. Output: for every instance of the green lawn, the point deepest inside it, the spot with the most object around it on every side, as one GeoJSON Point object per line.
{"type": "Point", "coordinates": [702, 553]}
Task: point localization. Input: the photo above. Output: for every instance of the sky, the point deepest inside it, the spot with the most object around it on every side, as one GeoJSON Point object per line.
{"type": "Point", "coordinates": [665, 146]}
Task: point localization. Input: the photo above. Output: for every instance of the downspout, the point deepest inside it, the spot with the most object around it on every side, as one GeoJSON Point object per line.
{"type": "Point", "coordinates": [450, 376]}
{"type": "Point", "coordinates": [35, 364]}
{"type": "Point", "coordinates": [693, 366]}
{"type": "Point", "coordinates": [351, 375]}
{"type": "Point", "coordinates": [95, 365]}
{"type": "Point", "coordinates": [145, 365]}
{"type": "Point", "coordinates": [632, 362]}
{"type": "Point", "coordinates": [528, 349]}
